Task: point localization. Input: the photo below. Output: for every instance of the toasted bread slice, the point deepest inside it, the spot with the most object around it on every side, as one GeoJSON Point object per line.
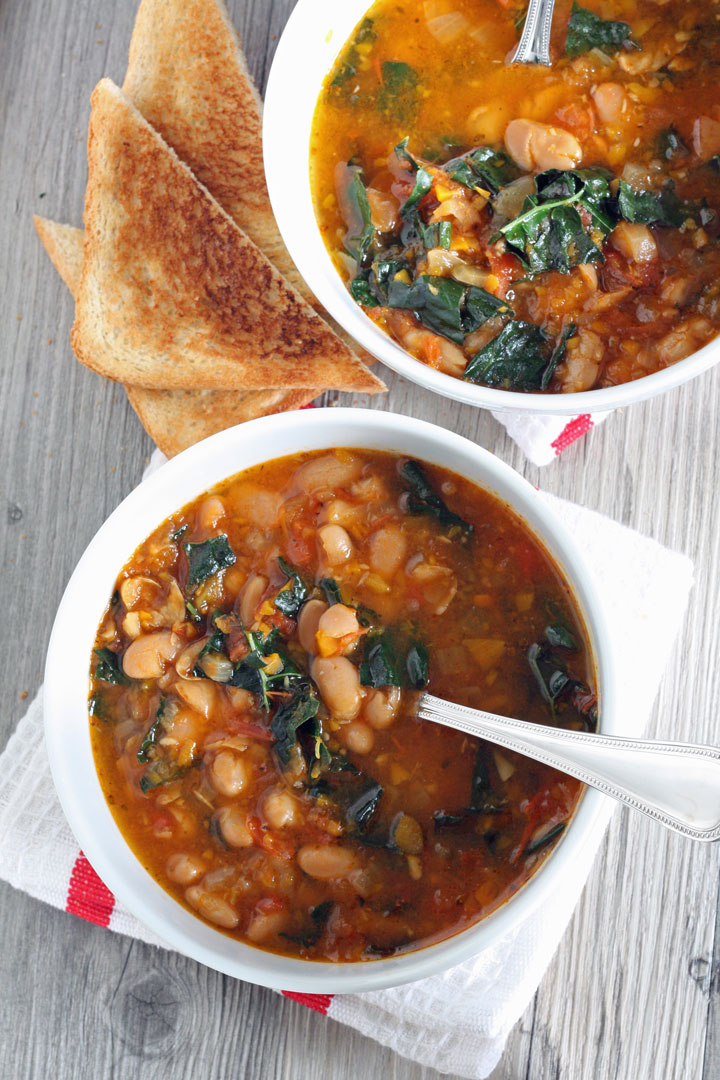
{"type": "Point", "coordinates": [64, 245]}
{"type": "Point", "coordinates": [173, 295]}
{"type": "Point", "coordinates": [174, 419]}
{"type": "Point", "coordinates": [188, 77]}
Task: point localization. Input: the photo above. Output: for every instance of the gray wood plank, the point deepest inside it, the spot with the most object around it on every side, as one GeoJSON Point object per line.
{"type": "Point", "coordinates": [634, 989]}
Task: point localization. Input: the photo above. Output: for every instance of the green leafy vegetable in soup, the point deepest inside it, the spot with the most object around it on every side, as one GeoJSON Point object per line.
{"type": "Point", "coordinates": [474, 207]}
{"type": "Point", "coordinates": [266, 763]}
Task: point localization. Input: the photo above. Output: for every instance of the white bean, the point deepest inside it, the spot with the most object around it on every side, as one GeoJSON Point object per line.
{"type": "Point", "coordinates": [335, 544]}
{"type": "Point", "coordinates": [199, 694]}
{"type": "Point", "coordinates": [611, 102]}
{"type": "Point", "coordinates": [184, 868]}
{"type": "Point", "coordinates": [381, 706]}
{"type": "Point", "coordinates": [308, 620]}
{"type": "Point", "coordinates": [213, 908]}
{"type": "Point", "coordinates": [147, 656]}
{"type": "Point", "coordinates": [211, 513]}
{"type": "Point", "coordinates": [250, 597]}
{"type": "Point", "coordinates": [358, 737]}
{"type": "Point", "coordinates": [229, 773]}
{"type": "Point", "coordinates": [539, 146]}
{"type": "Point", "coordinates": [388, 547]}
{"type": "Point", "coordinates": [233, 826]}
{"type": "Point", "coordinates": [338, 621]}
{"type": "Point", "coordinates": [266, 924]}
{"type": "Point", "coordinates": [326, 861]}
{"type": "Point", "coordinates": [139, 592]}
{"type": "Point", "coordinates": [185, 663]}
{"type": "Point", "coordinates": [328, 473]}
{"type": "Point", "coordinates": [280, 809]}
{"type": "Point", "coordinates": [339, 684]}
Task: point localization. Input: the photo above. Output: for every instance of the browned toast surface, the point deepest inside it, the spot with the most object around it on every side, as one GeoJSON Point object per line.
{"type": "Point", "coordinates": [174, 419]}
{"type": "Point", "coordinates": [173, 295]}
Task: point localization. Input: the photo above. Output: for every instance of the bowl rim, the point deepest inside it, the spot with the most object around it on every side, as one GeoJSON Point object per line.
{"type": "Point", "coordinates": [317, 30]}
{"type": "Point", "coordinates": [67, 729]}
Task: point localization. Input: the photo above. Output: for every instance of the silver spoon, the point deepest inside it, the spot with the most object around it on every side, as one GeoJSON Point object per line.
{"type": "Point", "coordinates": [534, 44]}
{"type": "Point", "coordinates": [678, 784]}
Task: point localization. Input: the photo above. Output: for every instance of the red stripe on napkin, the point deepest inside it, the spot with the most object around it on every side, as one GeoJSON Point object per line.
{"type": "Point", "coordinates": [319, 1002]}
{"type": "Point", "coordinates": [572, 431]}
{"type": "Point", "coordinates": [87, 895]}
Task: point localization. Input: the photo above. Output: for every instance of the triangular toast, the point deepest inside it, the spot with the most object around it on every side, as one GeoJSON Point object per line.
{"type": "Point", "coordinates": [188, 76]}
{"type": "Point", "coordinates": [173, 295]}
{"type": "Point", "coordinates": [174, 419]}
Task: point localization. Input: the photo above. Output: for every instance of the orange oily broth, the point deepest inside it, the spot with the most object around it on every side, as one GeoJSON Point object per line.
{"type": "Point", "coordinates": [467, 96]}
{"type": "Point", "coordinates": [506, 585]}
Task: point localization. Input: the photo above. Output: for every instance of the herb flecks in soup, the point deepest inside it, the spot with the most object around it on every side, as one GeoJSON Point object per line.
{"type": "Point", "coordinates": [253, 703]}
{"type": "Point", "coordinates": [521, 227]}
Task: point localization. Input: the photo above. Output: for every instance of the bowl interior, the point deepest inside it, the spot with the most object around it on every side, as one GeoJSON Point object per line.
{"type": "Point", "coordinates": [317, 31]}
{"type": "Point", "coordinates": [67, 682]}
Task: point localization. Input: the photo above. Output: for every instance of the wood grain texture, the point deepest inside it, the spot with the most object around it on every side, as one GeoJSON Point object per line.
{"type": "Point", "coordinates": [634, 991]}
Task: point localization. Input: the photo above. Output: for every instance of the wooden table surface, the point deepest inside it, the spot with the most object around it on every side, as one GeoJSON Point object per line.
{"type": "Point", "coordinates": [634, 991]}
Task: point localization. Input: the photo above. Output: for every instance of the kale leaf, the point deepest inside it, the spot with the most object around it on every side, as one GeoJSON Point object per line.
{"type": "Point", "coordinates": [670, 145]}
{"type": "Point", "coordinates": [557, 355]}
{"type": "Point", "coordinates": [550, 673]}
{"type": "Point", "coordinates": [208, 558]}
{"type": "Point", "coordinates": [361, 231]}
{"type": "Point", "coordinates": [331, 590]}
{"type": "Point", "coordinates": [653, 207]}
{"type": "Point", "coordinates": [162, 771]}
{"type": "Point", "coordinates": [394, 657]}
{"type": "Point", "coordinates": [162, 768]}
{"type": "Point", "coordinates": [109, 669]}
{"type": "Point", "coordinates": [361, 291]}
{"type": "Point", "coordinates": [423, 179]}
{"type": "Point", "coordinates": [379, 665]}
{"type": "Point", "coordinates": [397, 98]}
{"type": "Point", "coordinates": [517, 359]}
{"type": "Point", "coordinates": [549, 233]}
{"type": "Point", "coordinates": [438, 234]}
{"type": "Point", "coordinates": [251, 672]}
{"type": "Point", "coordinates": [348, 68]}
{"type": "Point", "coordinates": [543, 841]}
{"type": "Point", "coordinates": [423, 499]}
{"type": "Point", "coordinates": [417, 664]}
{"type": "Point", "coordinates": [153, 732]}
{"type": "Point", "coordinates": [362, 810]}
{"type": "Point", "coordinates": [291, 597]}
{"type": "Point", "coordinates": [446, 306]}
{"type": "Point", "coordinates": [482, 169]}
{"type": "Point", "coordinates": [587, 31]}
{"type": "Point", "coordinates": [559, 635]}
{"type": "Point", "coordinates": [292, 715]}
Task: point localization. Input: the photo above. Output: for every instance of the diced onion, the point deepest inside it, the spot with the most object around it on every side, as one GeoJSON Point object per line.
{"type": "Point", "coordinates": [444, 25]}
{"type": "Point", "coordinates": [504, 767]}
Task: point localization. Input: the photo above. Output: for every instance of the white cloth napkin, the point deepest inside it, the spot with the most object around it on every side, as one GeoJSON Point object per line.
{"type": "Point", "coordinates": [543, 438]}
{"type": "Point", "coordinates": [456, 1022]}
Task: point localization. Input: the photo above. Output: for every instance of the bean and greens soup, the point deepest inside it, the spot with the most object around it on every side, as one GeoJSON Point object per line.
{"type": "Point", "coordinates": [528, 228]}
{"type": "Point", "coordinates": [253, 700]}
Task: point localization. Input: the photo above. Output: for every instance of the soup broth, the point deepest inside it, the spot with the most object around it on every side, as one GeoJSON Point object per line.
{"type": "Point", "coordinates": [528, 228]}
{"type": "Point", "coordinates": [253, 703]}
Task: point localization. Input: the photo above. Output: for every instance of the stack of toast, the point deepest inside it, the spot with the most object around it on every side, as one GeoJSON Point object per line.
{"type": "Point", "coordinates": [183, 287]}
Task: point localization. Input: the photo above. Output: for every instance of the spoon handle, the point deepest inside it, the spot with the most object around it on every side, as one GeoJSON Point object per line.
{"type": "Point", "coordinates": [534, 44]}
{"type": "Point", "coordinates": [678, 784]}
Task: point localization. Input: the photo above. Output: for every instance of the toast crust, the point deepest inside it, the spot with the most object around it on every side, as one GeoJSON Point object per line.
{"type": "Point", "coordinates": [173, 295]}
{"type": "Point", "coordinates": [174, 419]}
